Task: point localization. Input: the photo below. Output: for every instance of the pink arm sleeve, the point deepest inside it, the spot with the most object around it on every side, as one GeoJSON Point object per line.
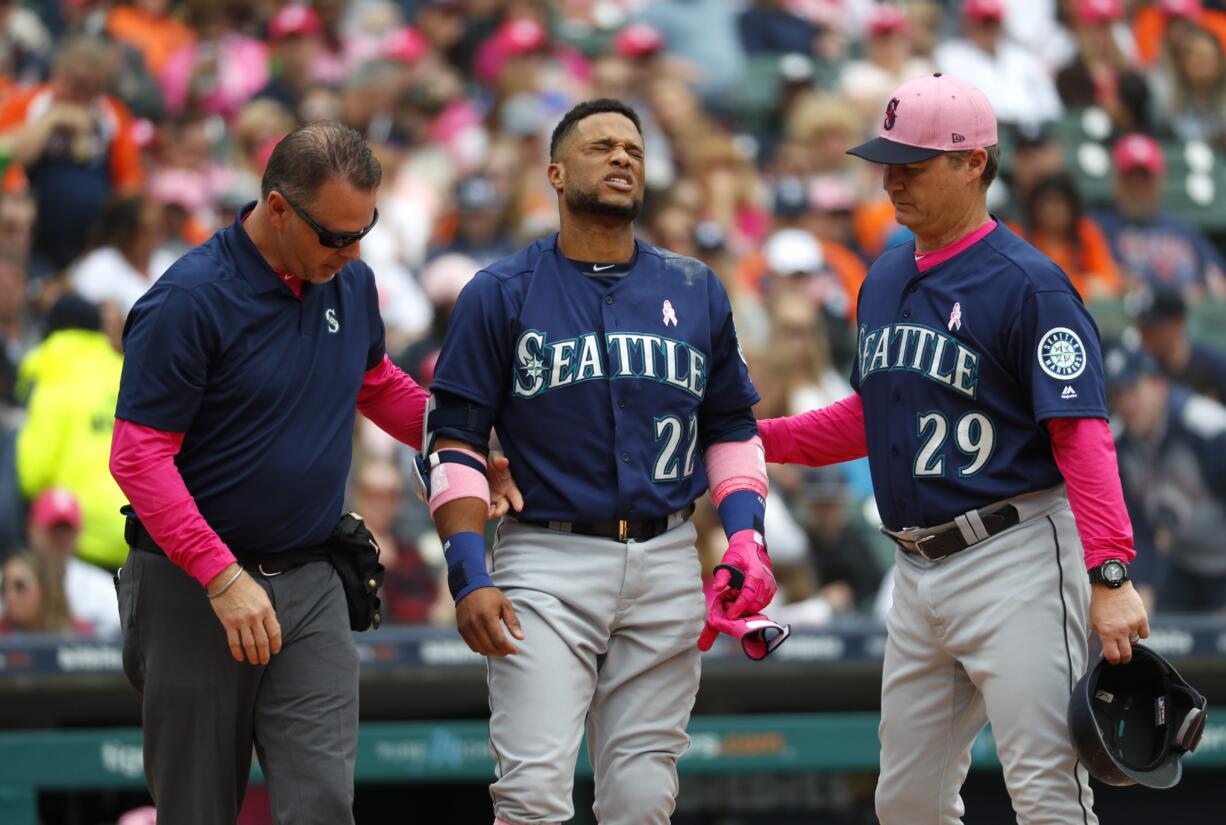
{"type": "Point", "coordinates": [394, 401]}
{"type": "Point", "coordinates": [143, 464]}
{"type": "Point", "coordinates": [735, 465]}
{"type": "Point", "coordinates": [827, 436]}
{"type": "Point", "coordinates": [1085, 453]}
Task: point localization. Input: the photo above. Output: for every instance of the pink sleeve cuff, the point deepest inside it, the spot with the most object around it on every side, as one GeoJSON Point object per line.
{"type": "Point", "coordinates": [1085, 453]}
{"type": "Point", "coordinates": [143, 464]}
{"type": "Point", "coordinates": [735, 465]}
{"type": "Point", "coordinates": [816, 438]}
{"type": "Point", "coordinates": [450, 481]}
{"type": "Point", "coordinates": [394, 401]}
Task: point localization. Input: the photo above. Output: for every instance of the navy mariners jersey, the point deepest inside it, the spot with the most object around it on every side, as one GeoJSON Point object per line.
{"type": "Point", "coordinates": [959, 366]}
{"type": "Point", "coordinates": [597, 387]}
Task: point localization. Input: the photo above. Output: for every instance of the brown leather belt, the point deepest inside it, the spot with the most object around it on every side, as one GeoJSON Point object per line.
{"type": "Point", "coordinates": [950, 541]}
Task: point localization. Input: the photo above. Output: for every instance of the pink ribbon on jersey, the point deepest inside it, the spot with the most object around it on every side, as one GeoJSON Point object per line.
{"type": "Point", "coordinates": [669, 314]}
{"type": "Point", "coordinates": [955, 317]}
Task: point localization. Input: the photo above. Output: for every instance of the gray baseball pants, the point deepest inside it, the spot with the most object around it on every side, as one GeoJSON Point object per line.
{"type": "Point", "coordinates": [997, 632]}
{"type": "Point", "coordinates": [610, 634]}
{"type": "Point", "coordinates": [202, 711]}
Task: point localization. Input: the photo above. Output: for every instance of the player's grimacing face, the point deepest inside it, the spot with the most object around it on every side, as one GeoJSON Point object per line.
{"type": "Point", "coordinates": [600, 167]}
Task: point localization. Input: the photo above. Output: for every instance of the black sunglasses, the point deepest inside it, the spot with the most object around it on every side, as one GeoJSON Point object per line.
{"type": "Point", "coordinates": [333, 240]}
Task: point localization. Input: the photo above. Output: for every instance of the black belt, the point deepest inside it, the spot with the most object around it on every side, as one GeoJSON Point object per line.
{"type": "Point", "coordinates": [621, 530]}
{"type": "Point", "coordinates": [267, 564]}
{"type": "Point", "coordinates": [950, 541]}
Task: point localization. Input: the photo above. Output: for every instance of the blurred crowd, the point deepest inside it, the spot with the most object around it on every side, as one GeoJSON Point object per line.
{"type": "Point", "coordinates": [130, 131]}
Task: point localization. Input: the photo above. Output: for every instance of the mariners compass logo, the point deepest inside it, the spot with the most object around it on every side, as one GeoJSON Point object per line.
{"type": "Point", "coordinates": [1061, 354]}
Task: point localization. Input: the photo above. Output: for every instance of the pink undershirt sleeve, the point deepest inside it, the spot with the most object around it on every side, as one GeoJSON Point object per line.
{"type": "Point", "coordinates": [394, 401]}
{"type": "Point", "coordinates": [816, 438]}
{"type": "Point", "coordinates": [143, 464]}
{"type": "Point", "coordinates": [1085, 453]}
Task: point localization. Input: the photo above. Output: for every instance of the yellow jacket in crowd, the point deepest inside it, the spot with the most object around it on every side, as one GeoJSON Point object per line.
{"type": "Point", "coordinates": [71, 382]}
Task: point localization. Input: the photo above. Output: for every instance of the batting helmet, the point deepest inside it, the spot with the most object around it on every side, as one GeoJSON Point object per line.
{"type": "Point", "coordinates": [1131, 723]}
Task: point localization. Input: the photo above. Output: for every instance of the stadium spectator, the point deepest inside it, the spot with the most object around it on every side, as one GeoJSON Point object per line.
{"type": "Point", "coordinates": [222, 69]}
{"type": "Point", "coordinates": [1170, 449]}
{"type": "Point", "coordinates": [410, 585]}
{"type": "Point", "coordinates": [54, 528]}
{"type": "Point", "coordinates": [1158, 26]}
{"type": "Point", "coordinates": [441, 279]}
{"type": "Point", "coordinates": [71, 382]}
{"type": "Point", "coordinates": [1056, 223]}
{"type": "Point", "coordinates": [1015, 81]}
{"type": "Point", "coordinates": [704, 33]}
{"type": "Point", "coordinates": [798, 356]}
{"type": "Point", "coordinates": [1150, 245]}
{"type": "Point", "coordinates": [32, 588]}
{"type": "Point", "coordinates": [296, 34]}
{"type": "Point", "coordinates": [1101, 73]}
{"type": "Point", "coordinates": [1192, 89]}
{"type": "Point", "coordinates": [888, 61]}
{"type": "Point", "coordinates": [848, 573]}
{"type": "Point", "coordinates": [150, 27]}
{"type": "Point", "coordinates": [481, 224]}
{"type": "Point", "coordinates": [75, 143]}
{"type": "Point", "coordinates": [16, 327]}
{"type": "Point", "coordinates": [18, 214]}
{"type": "Point", "coordinates": [770, 27]}
{"type": "Point", "coordinates": [25, 43]}
{"type": "Point", "coordinates": [1160, 315]}
{"type": "Point", "coordinates": [126, 258]}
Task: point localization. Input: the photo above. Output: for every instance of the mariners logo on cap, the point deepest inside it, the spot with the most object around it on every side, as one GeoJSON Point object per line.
{"type": "Point", "coordinates": [891, 114]}
{"type": "Point", "coordinates": [1061, 354]}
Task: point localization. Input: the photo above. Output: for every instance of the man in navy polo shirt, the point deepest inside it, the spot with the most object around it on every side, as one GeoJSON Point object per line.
{"type": "Point", "coordinates": [244, 365]}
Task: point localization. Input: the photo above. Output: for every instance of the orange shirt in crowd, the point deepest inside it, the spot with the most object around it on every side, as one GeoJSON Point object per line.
{"type": "Point", "coordinates": [124, 155]}
{"type": "Point", "coordinates": [1149, 27]}
{"type": "Point", "coordinates": [156, 38]}
{"type": "Point", "coordinates": [839, 259]}
{"type": "Point", "coordinates": [1088, 263]}
{"type": "Point", "coordinates": [873, 221]}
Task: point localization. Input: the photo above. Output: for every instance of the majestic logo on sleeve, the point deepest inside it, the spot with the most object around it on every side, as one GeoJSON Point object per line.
{"type": "Point", "coordinates": [914, 348]}
{"type": "Point", "coordinates": [891, 114]}
{"type": "Point", "coordinates": [1061, 354]}
{"type": "Point", "coordinates": [542, 365]}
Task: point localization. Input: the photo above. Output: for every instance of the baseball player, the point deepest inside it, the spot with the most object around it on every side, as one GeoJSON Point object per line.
{"type": "Point", "coordinates": [980, 404]}
{"type": "Point", "coordinates": [611, 372]}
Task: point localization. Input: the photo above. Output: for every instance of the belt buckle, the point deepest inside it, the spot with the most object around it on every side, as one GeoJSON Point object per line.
{"type": "Point", "coordinates": [919, 546]}
{"type": "Point", "coordinates": [623, 531]}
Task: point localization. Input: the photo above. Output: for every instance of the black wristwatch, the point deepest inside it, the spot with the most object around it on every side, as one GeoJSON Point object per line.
{"type": "Point", "coordinates": [1112, 573]}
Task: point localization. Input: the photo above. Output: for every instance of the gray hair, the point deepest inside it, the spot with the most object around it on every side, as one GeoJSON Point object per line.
{"type": "Point", "coordinates": [316, 153]}
{"type": "Point", "coordinates": [990, 167]}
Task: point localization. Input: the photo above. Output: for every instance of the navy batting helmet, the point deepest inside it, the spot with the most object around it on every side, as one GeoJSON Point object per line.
{"type": "Point", "coordinates": [1131, 723]}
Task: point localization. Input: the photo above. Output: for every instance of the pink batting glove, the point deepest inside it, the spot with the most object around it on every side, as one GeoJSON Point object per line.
{"type": "Point", "coordinates": [715, 597]}
{"type": "Point", "coordinates": [756, 586]}
{"type": "Point", "coordinates": [759, 635]}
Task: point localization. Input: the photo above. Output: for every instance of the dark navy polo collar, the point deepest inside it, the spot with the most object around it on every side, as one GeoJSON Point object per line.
{"type": "Point", "coordinates": [248, 260]}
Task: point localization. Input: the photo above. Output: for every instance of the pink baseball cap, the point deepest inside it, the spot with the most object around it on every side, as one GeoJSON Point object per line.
{"type": "Point", "coordinates": [56, 506]}
{"type": "Point", "coordinates": [886, 19]}
{"type": "Point", "coordinates": [1090, 12]}
{"type": "Point", "coordinates": [638, 39]}
{"type": "Point", "coordinates": [522, 36]}
{"type": "Point", "coordinates": [983, 10]}
{"type": "Point", "coordinates": [294, 20]}
{"type": "Point", "coordinates": [930, 115]}
{"type": "Point", "coordinates": [406, 44]}
{"type": "Point", "coordinates": [1191, 9]}
{"type": "Point", "coordinates": [1137, 151]}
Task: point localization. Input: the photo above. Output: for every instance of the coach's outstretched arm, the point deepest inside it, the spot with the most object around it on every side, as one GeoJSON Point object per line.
{"type": "Point", "coordinates": [459, 502]}
{"type": "Point", "coordinates": [829, 435]}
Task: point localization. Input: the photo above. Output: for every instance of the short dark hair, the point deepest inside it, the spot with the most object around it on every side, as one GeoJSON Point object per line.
{"type": "Point", "coordinates": [990, 167]}
{"type": "Point", "coordinates": [584, 110]}
{"type": "Point", "coordinates": [311, 155]}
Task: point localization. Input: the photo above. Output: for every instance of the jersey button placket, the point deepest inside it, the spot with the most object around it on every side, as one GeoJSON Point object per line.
{"type": "Point", "coordinates": [626, 457]}
{"type": "Point", "coordinates": [608, 299]}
